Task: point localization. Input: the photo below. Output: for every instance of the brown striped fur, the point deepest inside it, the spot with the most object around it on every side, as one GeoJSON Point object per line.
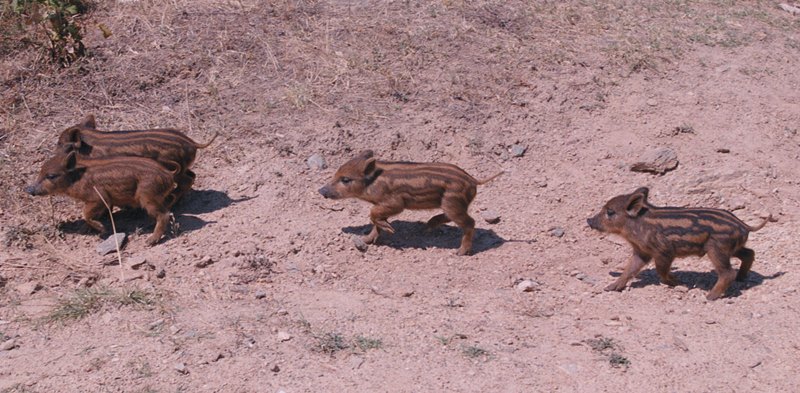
{"type": "Point", "coordinates": [121, 180]}
{"type": "Point", "coordinates": [395, 186]}
{"type": "Point", "coordinates": [164, 145]}
{"type": "Point", "coordinates": [665, 233]}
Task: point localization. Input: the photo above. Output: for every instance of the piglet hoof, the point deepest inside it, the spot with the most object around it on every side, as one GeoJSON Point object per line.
{"type": "Point", "coordinates": [462, 253]}
{"type": "Point", "coordinates": [152, 240]}
{"type": "Point", "coordinates": [369, 239]}
{"type": "Point", "coordinates": [713, 296]}
{"type": "Point", "coordinates": [614, 287]}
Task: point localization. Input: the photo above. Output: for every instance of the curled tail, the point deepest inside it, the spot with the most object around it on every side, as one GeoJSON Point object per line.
{"type": "Point", "coordinates": [204, 145]}
{"type": "Point", "coordinates": [484, 181]}
{"type": "Point", "coordinates": [759, 226]}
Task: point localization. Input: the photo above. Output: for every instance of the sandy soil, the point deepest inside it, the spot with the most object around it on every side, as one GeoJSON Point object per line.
{"type": "Point", "coordinates": [260, 289]}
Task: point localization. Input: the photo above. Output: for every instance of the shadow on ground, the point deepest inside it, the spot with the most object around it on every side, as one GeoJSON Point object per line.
{"type": "Point", "coordinates": [412, 234]}
{"type": "Point", "coordinates": [701, 280]}
{"type": "Point", "coordinates": [132, 220]}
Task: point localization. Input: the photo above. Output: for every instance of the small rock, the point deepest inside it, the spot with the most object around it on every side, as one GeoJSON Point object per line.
{"type": "Point", "coordinates": [29, 288]}
{"type": "Point", "coordinates": [8, 344]}
{"type": "Point", "coordinates": [490, 216]}
{"type": "Point", "coordinates": [136, 262]}
{"type": "Point", "coordinates": [284, 336]}
{"type": "Point", "coordinates": [723, 150]}
{"type": "Point", "coordinates": [408, 293]}
{"type": "Point", "coordinates": [204, 262]}
{"type": "Point", "coordinates": [518, 150]}
{"type": "Point", "coordinates": [526, 286]}
{"type": "Point", "coordinates": [316, 162]}
{"type": "Point", "coordinates": [359, 243]}
{"type": "Point", "coordinates": [652, 102]}
{"type": "Point", "coordinates": [570, 368]}
{"type": "Point", "coordinates": [260, 294]}
{"type": "Point", "coordinates": [156, 324]}
{"type": "Point", "coordinates": [275, 368]}
{"type": "Point", "coordinates": [110, 245]}
{"type": "Point", "coordinates": [557, 232]}
{"type": "Point", "coordinates": [161, 273]}
{"type": "Point", "coordinates": [181, 368]}
{"type": "Point", "coordinates": [680, 344]}
{"type": "Point", "coordinates": [216, 356]}
{"type": "Point", "coordinates": [282, 312]}
{"type": "Point", "coordinates": [660, 161]}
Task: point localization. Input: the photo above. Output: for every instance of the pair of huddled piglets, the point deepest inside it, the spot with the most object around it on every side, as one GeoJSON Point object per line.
{"type": "Point", "coordinates": [147, 169]}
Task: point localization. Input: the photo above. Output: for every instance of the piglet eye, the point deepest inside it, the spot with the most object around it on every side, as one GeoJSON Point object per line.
{"type": "Point", "coordinates": [610, 213]}
{"type": "Point", "coordinates": [345, 180]}
{"type": "Point", "coordinates": [51, 176]}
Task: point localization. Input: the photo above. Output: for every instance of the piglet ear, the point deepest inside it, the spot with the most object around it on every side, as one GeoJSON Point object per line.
{"type": "Point", "coordinates": [644, 191]}
{"type": "Point", "coordinates": [71, 138]}
{"type": "Point", "coordinates": [88, 122]}
{"type": "Point", "coordinates": [70, 161]}
{"type": "Point", "coordinates": [371, 171]}
{"type": "Point", "coordinates": [366, 154]}
{"type": "Point", "coordinates": [636, 203]}
{"type": "Point", "coordinates": [369, 166]}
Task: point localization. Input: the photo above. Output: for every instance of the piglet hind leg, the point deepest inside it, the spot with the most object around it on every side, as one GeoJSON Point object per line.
{"type": "Point", "coordinates": [455, 208]}
{"type": "Point", "coordinates": [379, 216]}
{"type": "Point", "coordinates": [725, 273]}
{"type": "Point", "coordinates": [161, 215]}
{"type": "Point", "coordinates": [636, 263]}
{"type": "Point", "coordinates": [747, 256]}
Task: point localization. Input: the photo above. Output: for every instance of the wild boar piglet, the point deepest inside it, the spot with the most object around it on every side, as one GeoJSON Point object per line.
{"type": "Point", "coordinates": [120, 180]}
{"type": "Point", "coordinates": [394, 186]}
{"type": "Point", "coordinates": [665, 233]}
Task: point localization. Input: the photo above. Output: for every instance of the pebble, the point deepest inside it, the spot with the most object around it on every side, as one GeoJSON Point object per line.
{"type": "Point", "coordinates": [260, 294]}
{"type": "Point", "coordinates": [110, 244]}
{"type": "Point", "coordinates": [181, 368]}
{"type": "Point", "coordinates": [316, 162]}
{"type": "Point", "coordinates": [518, 150]}
{"type": "Point", "coordinates": [284, 336]}
{"type": "Point", "coordinates": [526, 286]}
{"type": "Point", "coordinates": [136, 262]}
{"type": "Point", "coordinates": [360, 245]}
{"type": "Point", "coordinates": [723, 150]}
{"type": "Point", "coordinates": [8, 344]}
{"type": "Point", "coordinates": [282, 312]}
{"type": "Point", "coordinates": [660, 161]}
{"type": "Point", "coordinates": [490, 216]}
{"type": "Point", "coordinates": [29, 288]}
{"type": "Point", "coordinates": [557, 232]}
{"type": "Point", "coordinates": [652, 102]}
{"type": "Point", "coordinates": [161, 273]}
{"type": "Point", "coordinates": [204, 262]}
{"type": "Point", "coordinates": [275, 368]}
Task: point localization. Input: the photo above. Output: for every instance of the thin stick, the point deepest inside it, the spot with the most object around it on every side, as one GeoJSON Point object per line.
{"type": "Point", "coordinates": [116, 240]}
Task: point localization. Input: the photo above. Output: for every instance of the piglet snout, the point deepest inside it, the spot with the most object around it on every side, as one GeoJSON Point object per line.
{"type": "Point", "coordinates": [31, 189]}
{"type": "Point", "coordinates": [325, 191]}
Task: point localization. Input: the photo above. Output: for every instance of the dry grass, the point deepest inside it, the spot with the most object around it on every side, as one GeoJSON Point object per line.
{"type": "Point", "coordinates": [86, 301]}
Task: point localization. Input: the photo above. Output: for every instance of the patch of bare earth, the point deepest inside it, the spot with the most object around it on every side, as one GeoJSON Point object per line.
{"type": "Point", "coordinates": [259, 287]}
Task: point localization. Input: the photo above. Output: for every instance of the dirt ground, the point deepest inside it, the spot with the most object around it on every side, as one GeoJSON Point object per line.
{"type": "Point", "coordinates": [259, 287]}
